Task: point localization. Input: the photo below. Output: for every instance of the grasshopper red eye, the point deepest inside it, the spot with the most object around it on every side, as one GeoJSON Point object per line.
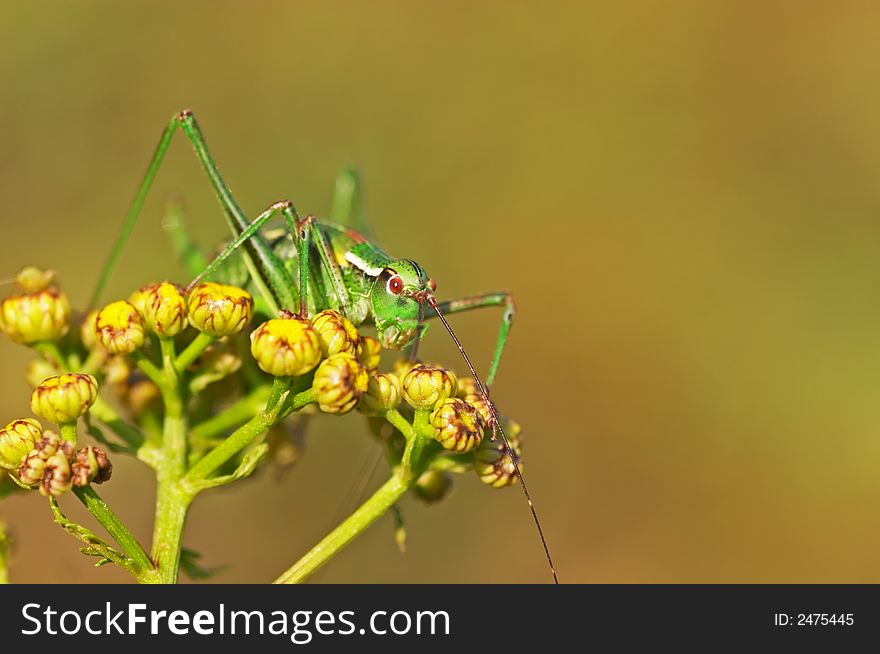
{"type": "Point", "coordinates": [432, 284]}
{"type": "Point", "coordinates": [395, 285]}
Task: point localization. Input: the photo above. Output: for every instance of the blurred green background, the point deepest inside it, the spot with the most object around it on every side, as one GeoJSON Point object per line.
{"type": "Point", "coordinates": [682, 197]}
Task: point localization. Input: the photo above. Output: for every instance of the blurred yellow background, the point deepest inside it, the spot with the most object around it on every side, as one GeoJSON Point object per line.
{"type": "Point", "coordinates": [683, 198]}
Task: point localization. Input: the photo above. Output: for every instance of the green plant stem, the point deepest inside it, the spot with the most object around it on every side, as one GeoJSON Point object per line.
{"type": "Point", "coordinates": [120, 533]}
{"type": "Point", "coordinates": [418, 453]}
{"type": "Point", "coordinates": [243, 410]}
{"type": "Point", "coordinates": [172, 499]}
{"type": "Point", "coordinates": [68, 432]}
{"type": "Point", "coordinates": [400, 423]}
{"type": "Point", "coordinates": [391, 491]}
{"type": "Point", "coordinates": [251, 430]}
{"type": "Point", "coordinates": [192, 351]}
{"type": "Point", "coordinates": [156, 375]}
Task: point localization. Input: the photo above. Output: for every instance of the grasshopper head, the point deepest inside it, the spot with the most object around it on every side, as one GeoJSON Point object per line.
{"type": "Point", "coordinates": [395, 299]}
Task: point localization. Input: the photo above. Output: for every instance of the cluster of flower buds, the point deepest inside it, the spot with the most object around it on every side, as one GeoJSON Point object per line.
{"type": "Point", "coordinates": [51, 464]}
{"type": "Point", "coordinates": [329, 345]}
{"type": "Point", "coordinates": [164, 310]}
{"type": "Point", "coordinates": [39, 313]}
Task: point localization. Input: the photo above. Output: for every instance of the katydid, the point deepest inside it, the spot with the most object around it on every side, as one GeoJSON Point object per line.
{"type": "Point", "coordinates": [315, 264]}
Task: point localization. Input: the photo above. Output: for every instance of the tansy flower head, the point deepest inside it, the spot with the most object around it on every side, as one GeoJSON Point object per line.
{"type": "Point", "coordinates": [162, 307]}
{"type": "Point", "coordinates": [219, 310]}
{"type": "Point", "coordinates": [64, 398]}
{"type": "Point", "coordinates": [286, 347]}
{"type": "Point", "coordinates": [120, 328]}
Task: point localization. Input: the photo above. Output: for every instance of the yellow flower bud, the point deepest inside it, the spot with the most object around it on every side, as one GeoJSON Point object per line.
{"type": "Point", "coordinates": [383, 394]}
{"type": "Point", "coordinates": [340, 382]}
{"type": "Point", "coordinates": [120, 328]}
{"type": "Point", "coordinates": [336, 333]}
{"type": "Point", "coordinates": [35, 317]}
{"type": "Point", "coordinates": [56, 479]}
{"type": "Point", "coordinates": [64, 398]}
{"type": "Point", "coordinates": [162, 307]}
{"type": "Point", "coordinates": [483, 410]}
{"type": "Point", "coordinates": [286, 347]}
{"type": "Point", "coordinates": [219, 310]}
{"type": "Point", "coordinates": [17, 439]}
{"type": "Point", "coordinates": [90, 467]}
{"type": "Point", "coordinates": [425, 386]}
{"type": "Point", "coordinates": [370, 353]}
{"type": "Point", "coordinates": [457, 426]}
{"type": "Point", "coordinates": [33, 279]}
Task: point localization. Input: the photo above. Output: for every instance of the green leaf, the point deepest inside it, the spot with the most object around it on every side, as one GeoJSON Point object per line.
{"type": "Point", "coordinates": [94, 545]}
{"type": "Point", "coordinates": [190, 567]}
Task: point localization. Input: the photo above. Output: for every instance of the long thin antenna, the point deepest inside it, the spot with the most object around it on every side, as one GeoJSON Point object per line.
{"type": "Point", "coordinates": [496, 427]}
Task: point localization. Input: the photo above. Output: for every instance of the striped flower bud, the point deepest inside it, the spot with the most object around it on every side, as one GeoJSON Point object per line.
{"type": "Point", "coordinates": [17, 439]}
{"type": "Point", "coordinates": [432, 486]}
{"type": "Point", "coordinates": [40, 316]}
{"type": "Point", "coordinates": [120, 328]}
{"type": "Point", "coordinates": [162, 307]}
{"type": "Point", "coordinates": [64, 398]}
{"type": "Point", "coordinates": [457, 425]}
{"type": "Point", "coordinates": [219, 310]}
{"type": "Point", "coordinates": [91, 466]}
{"type": "Point", "coordinates": [31, 470]}
{"type": "Point", "coordinates": [494, 464]}
{"type": "Point", "coordinates": [50, 447]}
{"type": "Point", "coordinates": [336, 333]}
{"type": "Point", "coordinates": [286, 347]}
{"type": "Point", "coordinates": [49, 444]}
{"type": "Point", "coordinates": [483, 410]}
{"type": "Point", "coordinates": [56, 479]}
{"type": "Point", "coordinates": [370, 353]}
{"type": "Point", "coordinates": [340, 382]}
{"type": "Point", "coordinates": [383, 394]}
{"type": "Point", "coordinates": [425, 386]}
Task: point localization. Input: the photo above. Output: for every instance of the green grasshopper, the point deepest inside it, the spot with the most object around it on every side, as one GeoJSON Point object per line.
{"type": "Point", "coordinates": [315, 265]}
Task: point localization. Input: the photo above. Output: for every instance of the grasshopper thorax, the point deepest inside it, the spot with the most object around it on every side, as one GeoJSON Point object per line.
{"type": "Point", "coordinates": [397, 289]}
